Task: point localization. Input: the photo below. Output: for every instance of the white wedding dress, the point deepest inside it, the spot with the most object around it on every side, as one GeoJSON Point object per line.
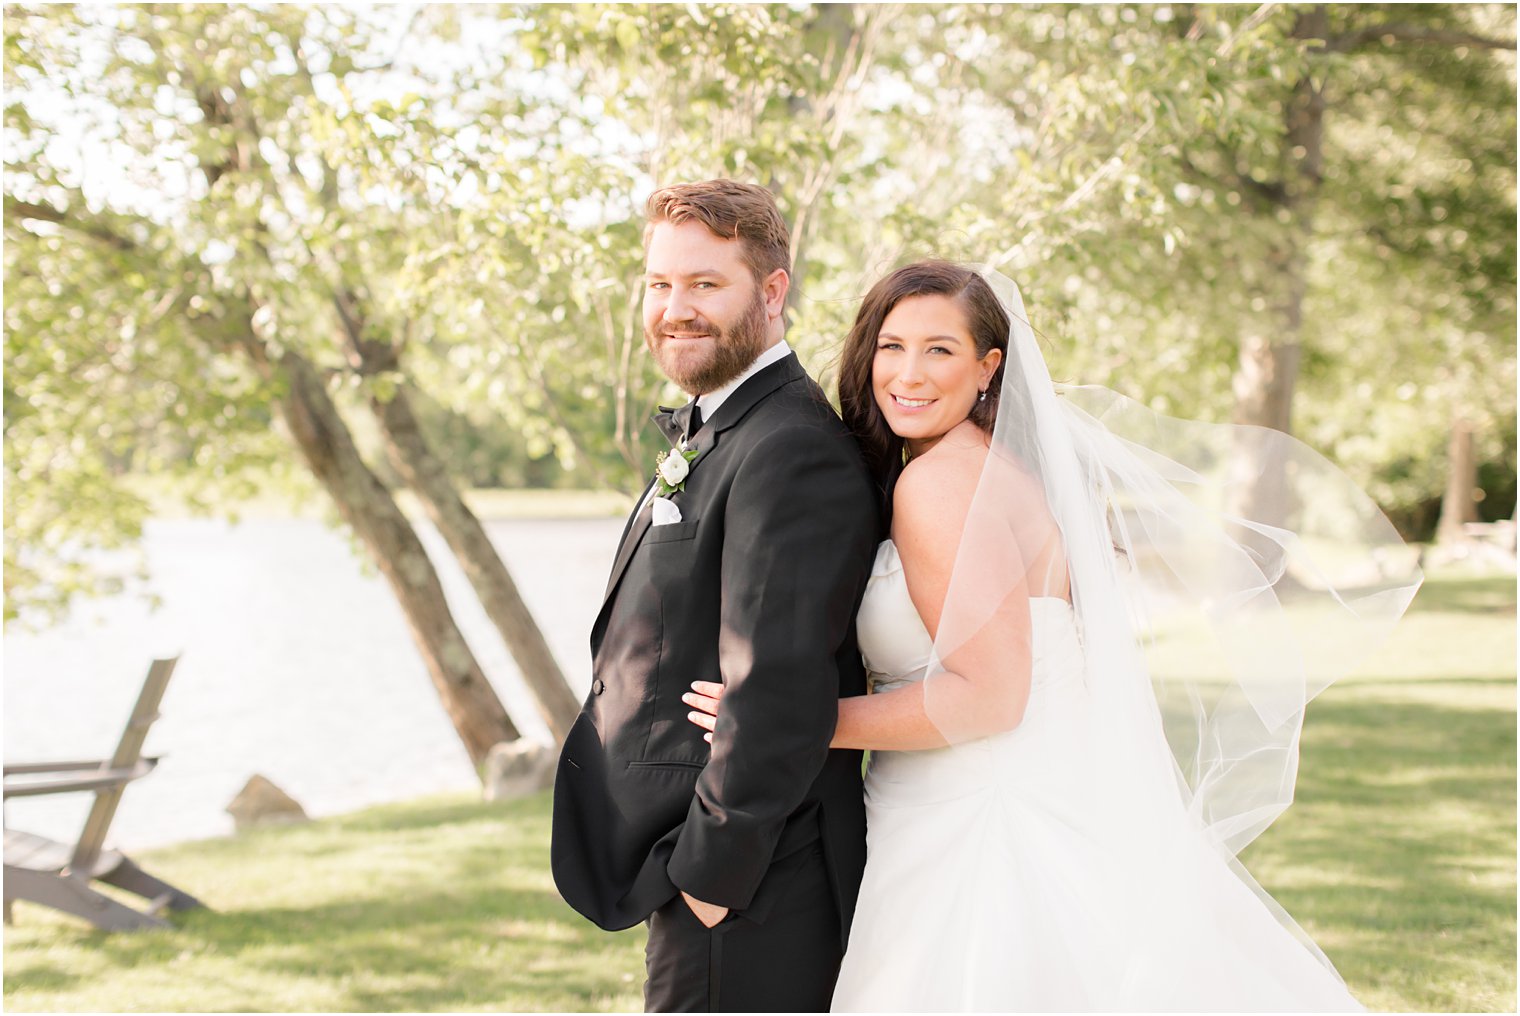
{"type": "Point", "coordinates": [994, 883]}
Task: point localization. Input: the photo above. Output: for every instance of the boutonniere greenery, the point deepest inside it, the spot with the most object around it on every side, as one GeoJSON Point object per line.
{"type": "Point", "coordinates": [670, 468]}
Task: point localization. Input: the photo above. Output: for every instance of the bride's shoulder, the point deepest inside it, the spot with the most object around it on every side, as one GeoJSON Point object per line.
{"type": "Point", "coordinates": [937, 488]}
{"type": "Point", "coordinates": [929, 508]}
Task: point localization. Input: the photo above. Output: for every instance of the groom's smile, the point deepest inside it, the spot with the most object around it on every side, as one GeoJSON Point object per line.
{"type": "Point", "coordinates": [690, 334]}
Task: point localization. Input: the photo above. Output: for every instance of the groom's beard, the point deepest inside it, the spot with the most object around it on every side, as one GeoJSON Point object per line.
{"type": "Point", "coordinates": [720, 358]}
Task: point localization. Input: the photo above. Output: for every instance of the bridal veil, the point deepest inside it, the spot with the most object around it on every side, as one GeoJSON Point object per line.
{"type": "Point", "coordinates": [1221, 577]}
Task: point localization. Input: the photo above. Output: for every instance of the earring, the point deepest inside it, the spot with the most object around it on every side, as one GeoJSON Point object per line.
{"type": "Point", "coordinates": [982, 397]}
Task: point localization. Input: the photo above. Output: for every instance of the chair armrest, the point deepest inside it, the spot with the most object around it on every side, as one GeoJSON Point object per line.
{"type": "Point", "coordinates": [52, 782]}
{"type": "Point", "coordinates": [55, 767]}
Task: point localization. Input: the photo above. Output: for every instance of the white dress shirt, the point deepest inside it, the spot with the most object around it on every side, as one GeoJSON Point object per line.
{"type": "Point", "coordinates": [710, 402]}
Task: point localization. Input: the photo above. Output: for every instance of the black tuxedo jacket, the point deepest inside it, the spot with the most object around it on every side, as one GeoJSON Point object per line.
{"type": "Point", "coordinates": [758, 586]}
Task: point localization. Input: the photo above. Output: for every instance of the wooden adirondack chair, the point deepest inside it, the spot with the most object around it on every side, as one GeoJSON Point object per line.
{"type": "Point", "coordinates": [57, 874]}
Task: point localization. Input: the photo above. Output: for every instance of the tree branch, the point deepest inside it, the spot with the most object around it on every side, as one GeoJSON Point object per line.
{"type": "Point", "coordinates": [18, 209]}
{"type": "Point", "coordinates": [1423, 34]}
{"type": "Point", "coordinates": [1258, 18]}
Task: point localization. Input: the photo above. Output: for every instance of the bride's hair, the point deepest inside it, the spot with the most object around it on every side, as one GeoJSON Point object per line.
{"type": "Point", "coordinates": [883, 450]}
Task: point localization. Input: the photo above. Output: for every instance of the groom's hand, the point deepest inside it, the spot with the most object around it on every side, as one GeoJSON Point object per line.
{"type": "Point", "coordinates": [709, 914]}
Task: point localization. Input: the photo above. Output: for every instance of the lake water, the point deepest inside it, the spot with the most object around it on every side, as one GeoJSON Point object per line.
{"type": "Point", "coordinates": [296, 664]}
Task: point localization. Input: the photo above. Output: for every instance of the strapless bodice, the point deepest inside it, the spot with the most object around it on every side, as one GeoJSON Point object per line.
{"type": "Point", "coordinates": [896, 646]}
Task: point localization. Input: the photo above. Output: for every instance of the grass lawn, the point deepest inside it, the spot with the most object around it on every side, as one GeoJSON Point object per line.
{"type": "Point", "coordinates": [1398, 855]}
{"type": "Point", "coordinates": [441, 904]}
{"type": "Point", "coordinates": [1399, 858]}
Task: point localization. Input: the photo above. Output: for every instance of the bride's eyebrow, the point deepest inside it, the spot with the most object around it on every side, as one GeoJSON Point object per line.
{"type": "Point", "coordinates": [931, 338]}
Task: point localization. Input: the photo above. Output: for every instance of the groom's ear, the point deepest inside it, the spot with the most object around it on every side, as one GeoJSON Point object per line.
{"type": "Point", "coordinates": [774, 289]}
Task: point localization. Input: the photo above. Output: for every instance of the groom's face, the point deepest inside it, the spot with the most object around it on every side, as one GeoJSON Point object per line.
{"type": "Point", "coordinates": [704, 314]}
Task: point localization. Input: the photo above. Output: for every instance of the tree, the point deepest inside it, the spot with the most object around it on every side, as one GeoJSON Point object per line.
{"type": "Point", "coordinates": [373, 219]}
{"type": "Point", "coordinates": [231, 245]}
{"type": "Point", "coordinates": [1293, 190]}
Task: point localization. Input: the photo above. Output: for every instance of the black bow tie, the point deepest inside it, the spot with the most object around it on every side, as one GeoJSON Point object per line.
{"type": "Point", "coordinates": [679, 425]}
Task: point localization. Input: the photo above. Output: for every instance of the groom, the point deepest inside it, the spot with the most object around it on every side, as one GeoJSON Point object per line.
{"type": "Point", "coordinates": [744, 857]}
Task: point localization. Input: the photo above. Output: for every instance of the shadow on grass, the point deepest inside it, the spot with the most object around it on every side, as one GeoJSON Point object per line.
{"type": "Point", "coordinates": [43, 976]}
{"type": "Point", "coordinates": [476, 947]}
{"type": "Point", "coordinates": [1400, 849]}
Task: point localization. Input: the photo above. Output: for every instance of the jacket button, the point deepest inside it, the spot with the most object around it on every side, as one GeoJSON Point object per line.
{"type": "Point", "coordinates": [598, 686]}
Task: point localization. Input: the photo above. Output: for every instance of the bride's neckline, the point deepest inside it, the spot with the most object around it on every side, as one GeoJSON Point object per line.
{"type": "Point", "coordinates": [1063, 601]}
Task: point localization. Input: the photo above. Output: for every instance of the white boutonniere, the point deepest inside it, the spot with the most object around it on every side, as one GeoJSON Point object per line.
{"type": "Point", "coordinates": [670, 469]}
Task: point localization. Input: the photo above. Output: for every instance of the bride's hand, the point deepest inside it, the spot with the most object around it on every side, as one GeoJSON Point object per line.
{"type": "Point", "coordinates": [703, 699]}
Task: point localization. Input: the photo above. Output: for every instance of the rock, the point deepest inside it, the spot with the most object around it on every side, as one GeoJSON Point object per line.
{"type": "Point", "coordinates": [260, 802]}
{"type": "Point", "coordinates": [518, 768]}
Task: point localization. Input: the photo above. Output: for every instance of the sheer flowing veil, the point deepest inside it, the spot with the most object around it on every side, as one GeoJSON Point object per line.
{"type": "Point", "coordinates": [1221, 577]}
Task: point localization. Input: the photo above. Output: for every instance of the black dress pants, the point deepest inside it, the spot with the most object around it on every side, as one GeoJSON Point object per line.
{"type": "Point", "coordinates": [781, 954]}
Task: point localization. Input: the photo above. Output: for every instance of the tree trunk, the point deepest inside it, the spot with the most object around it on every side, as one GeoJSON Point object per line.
{"type": "Point", "coordinates": [368, 507]}
{"type": "Point", "coordinates": [835, 38]}
{"type": "Point", "coordinates": [1264, 382]}
{"type": "Point", "coordinates": [1267, 370]}
{"type": "Point", "coordinates": [363, 501]}
{"type": "Point", "coordinates": [425, 474]}
{"type": "Point", "coordinates": [1458, 505]}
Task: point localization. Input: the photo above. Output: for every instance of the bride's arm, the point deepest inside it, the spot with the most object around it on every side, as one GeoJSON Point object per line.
{"type": "Point", "coordinates": [972, 599]}
{"type": "Point", "coordinates": [885, 721]}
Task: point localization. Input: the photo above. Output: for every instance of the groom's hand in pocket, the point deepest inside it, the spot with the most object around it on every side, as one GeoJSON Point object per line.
{"type": "Point", "coordinates": [709, 914]}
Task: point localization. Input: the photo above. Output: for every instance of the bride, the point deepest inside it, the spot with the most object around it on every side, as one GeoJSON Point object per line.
{"type": "Point", "coordinates": [1053, 826]}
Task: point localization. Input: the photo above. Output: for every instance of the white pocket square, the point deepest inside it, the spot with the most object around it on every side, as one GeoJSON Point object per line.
{"type": "Point", "coordinates": [665, 512]}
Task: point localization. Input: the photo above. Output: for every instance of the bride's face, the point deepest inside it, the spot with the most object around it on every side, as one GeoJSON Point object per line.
{"type": "Point", "coordinates": [926, 374]}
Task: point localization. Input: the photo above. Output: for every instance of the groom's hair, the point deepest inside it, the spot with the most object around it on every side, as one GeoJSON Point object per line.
{"type": "Point", "coordinates": [731, 211]}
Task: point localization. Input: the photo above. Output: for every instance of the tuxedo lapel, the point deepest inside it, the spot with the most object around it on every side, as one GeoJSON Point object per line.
{"type": "Point", "coordinates": [633, 533]}
{"type": "Point", "coordinates": [733, 410]}
{"type": "Point", "coordinates": [632, 518]}
{"type": "Point", "coordinates": [639, 524]}
{"type": "Point", "coordinates": [737, 406]}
